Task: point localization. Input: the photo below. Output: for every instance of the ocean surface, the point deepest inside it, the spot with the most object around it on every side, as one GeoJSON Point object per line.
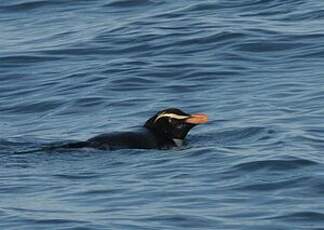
{"type": "Point", "coordinates": [70, 70]}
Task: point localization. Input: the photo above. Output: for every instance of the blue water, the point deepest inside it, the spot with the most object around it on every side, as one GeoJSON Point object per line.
{"type": "Point", "coordinates": [70, 70]}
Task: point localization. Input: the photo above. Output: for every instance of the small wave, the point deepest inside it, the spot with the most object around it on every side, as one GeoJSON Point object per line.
{"type": "Point", "coordinates": [274, 165]}
{"type": "Point", "coordinates": [22, 60]}
{"type": "Point", "coordinates": [14, 209]}
{"type": "Point", "coordinates": [80, 176]}
{"type": "Point", "coordinates": [129, 3]}
{"type": "Point", "coordinates": [310, 53]}
{"type": "Point", "coordinates": [98, 192]}
{"type": "Point", "coordinates": [273, 185]}
{"type": "Point", "coordinates": [214, 38]}
{"type": "Point", "coordinates": [304, 15]}
{"type": "Point", "coordinates": [58, 221]}
{"type": "Point", "coordinates": [310, 139]}
{"type": "Point", "coordinates": [21, 146]}
{"type": "Point", "coordinates": [311, 216]}
{"type": "Point", "coordinates": [75, 51]}
{"type": "Point", "coordinates": [28, 5]}
{"type": "Point", "coordinates": [268, 46]}
{"type": "Point", "coordinates": [245, 136]}
{"type": "Point", "coordinates": [188, 221]}
{"type": "Point", "coordinates": [34, 106]}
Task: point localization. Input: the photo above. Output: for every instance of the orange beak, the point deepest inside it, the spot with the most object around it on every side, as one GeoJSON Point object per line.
{"type": "Point", "coordinates": [196, 119]}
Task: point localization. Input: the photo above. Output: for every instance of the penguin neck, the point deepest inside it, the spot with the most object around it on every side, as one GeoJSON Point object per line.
{"type": "Point", "coordinates": [166, 141]}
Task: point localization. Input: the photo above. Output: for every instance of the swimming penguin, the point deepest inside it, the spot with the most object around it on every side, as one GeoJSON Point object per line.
{"type": "Point", "coordinates": [166, 129]}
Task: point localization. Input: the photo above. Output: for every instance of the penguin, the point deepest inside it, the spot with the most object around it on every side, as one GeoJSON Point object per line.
{"type": "Point", "coordinates": [166, 129]}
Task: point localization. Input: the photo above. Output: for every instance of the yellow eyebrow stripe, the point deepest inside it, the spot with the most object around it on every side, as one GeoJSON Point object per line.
{"type": "Point", "coordinates": [171, 115]}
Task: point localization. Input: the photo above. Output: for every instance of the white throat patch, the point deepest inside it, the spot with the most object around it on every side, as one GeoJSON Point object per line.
{"type": "Point", "coordinates": [178, 142]}
{"type": "Point", "coordinates": [171, 115]}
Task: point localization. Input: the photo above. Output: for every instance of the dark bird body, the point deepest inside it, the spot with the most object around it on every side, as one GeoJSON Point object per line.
{"type": "Point", "coordinates": [166, 129]}
{"type": "Point", "coordinates": [138, 139]}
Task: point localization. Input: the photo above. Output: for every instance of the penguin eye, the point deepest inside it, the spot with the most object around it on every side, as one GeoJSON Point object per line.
{"type": "Point", "coordinates": [172, 122]}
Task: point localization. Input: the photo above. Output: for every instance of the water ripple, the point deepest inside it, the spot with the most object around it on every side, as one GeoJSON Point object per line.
{"type": "Point", "coordinates": [72, 70]}
{"type": "Point", "coordinates": [276, 165]}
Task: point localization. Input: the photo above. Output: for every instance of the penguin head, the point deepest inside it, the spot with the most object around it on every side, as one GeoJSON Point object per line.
{"type": "Point", "coordinates": [174, 124]}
